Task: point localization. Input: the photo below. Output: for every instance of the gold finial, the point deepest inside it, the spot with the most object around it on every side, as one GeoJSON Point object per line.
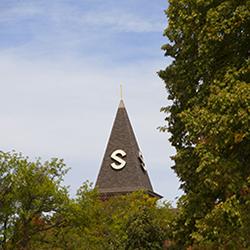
{"type": "Point", "coordinates": [121, 91]}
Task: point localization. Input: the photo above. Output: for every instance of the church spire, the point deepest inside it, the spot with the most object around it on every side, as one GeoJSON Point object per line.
{"type": "Point", "coordinates": [123, 169]}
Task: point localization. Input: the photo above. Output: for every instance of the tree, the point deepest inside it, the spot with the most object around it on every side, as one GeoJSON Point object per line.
{"type": "Point", "coordinates": [37, 213]}
{"type": "Point", "coordinates": [208, 118]}
{"type": "Point", "coordinates": [130, 221]}
{"type": "Point", "coordinates": [30, 194]}
{"type": "Point", "coordinates": [136, 222]}
{"type": "Point", "coordinates": [83, 226]}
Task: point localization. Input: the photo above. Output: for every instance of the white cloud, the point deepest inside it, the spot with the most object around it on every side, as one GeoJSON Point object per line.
{"type": "Point", "coordinates": [59, 96]}
{"type": "Point", "coordinates": [122, 22]}
{"type": "Point", "coordinates": [18, 11]}
{"type": "Point", "coordinates": [66, 109]}
{"type": "Point", "coordinates": [66, 16]}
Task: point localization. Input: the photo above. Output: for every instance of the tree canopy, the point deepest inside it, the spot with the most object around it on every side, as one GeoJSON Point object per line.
{"type": "Point", "coordinates": [36, 212]}
{"type": "Point", "coordinates": [30, 193]}
{"type": "Point", "coordinates": [208, 84]}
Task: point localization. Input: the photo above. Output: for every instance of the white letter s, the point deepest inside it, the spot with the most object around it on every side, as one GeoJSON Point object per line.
{"type": "Point", "coordinates": [115, 157]}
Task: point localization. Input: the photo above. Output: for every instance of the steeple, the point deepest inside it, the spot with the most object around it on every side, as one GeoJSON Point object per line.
{"type": "Point", "coordinates": [123, 169]}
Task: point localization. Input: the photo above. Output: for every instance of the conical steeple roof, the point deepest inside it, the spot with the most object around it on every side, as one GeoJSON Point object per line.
{"type": "Point", "coordinates": [123, 169]}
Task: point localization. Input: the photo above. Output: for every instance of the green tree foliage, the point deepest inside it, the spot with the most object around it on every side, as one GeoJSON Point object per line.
{"type": "Point", "coordinates": [209, 119]}
{"type": "Point", "coordinates": [136, 222]}
{"type": "Point", "coordinates": [30, 192]}
{"type": "Point", "coordinates": [83, 227]}
{"type": "Point", "coordinates": [125, 222]}
{"type": "Point", "coordinates": [36, 212]}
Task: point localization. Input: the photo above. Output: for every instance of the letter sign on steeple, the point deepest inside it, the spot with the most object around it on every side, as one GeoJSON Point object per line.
{"type": "Point", "coordinates": [116, 156]}
{"type": "Point", "coordinates": [142, 161]}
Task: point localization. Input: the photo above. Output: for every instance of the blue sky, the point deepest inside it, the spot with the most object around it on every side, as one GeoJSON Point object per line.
{"type": "Point", "coordinates": [61, 65]}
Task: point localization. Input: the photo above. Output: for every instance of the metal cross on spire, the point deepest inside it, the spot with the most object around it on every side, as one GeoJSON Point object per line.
{"type": "Point", "coordinates": [121, 91]}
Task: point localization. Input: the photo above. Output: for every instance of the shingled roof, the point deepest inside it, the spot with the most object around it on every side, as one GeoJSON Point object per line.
{"type": "Point", "coordinates": [131, 177]}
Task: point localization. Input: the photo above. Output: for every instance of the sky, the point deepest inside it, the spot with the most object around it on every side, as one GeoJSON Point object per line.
{"type": "Point", "coordinates": [61, 66]}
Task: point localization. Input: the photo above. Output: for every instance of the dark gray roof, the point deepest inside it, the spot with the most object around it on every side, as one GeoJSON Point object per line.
{"type": "Point", "coordinates": [132, 177]}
